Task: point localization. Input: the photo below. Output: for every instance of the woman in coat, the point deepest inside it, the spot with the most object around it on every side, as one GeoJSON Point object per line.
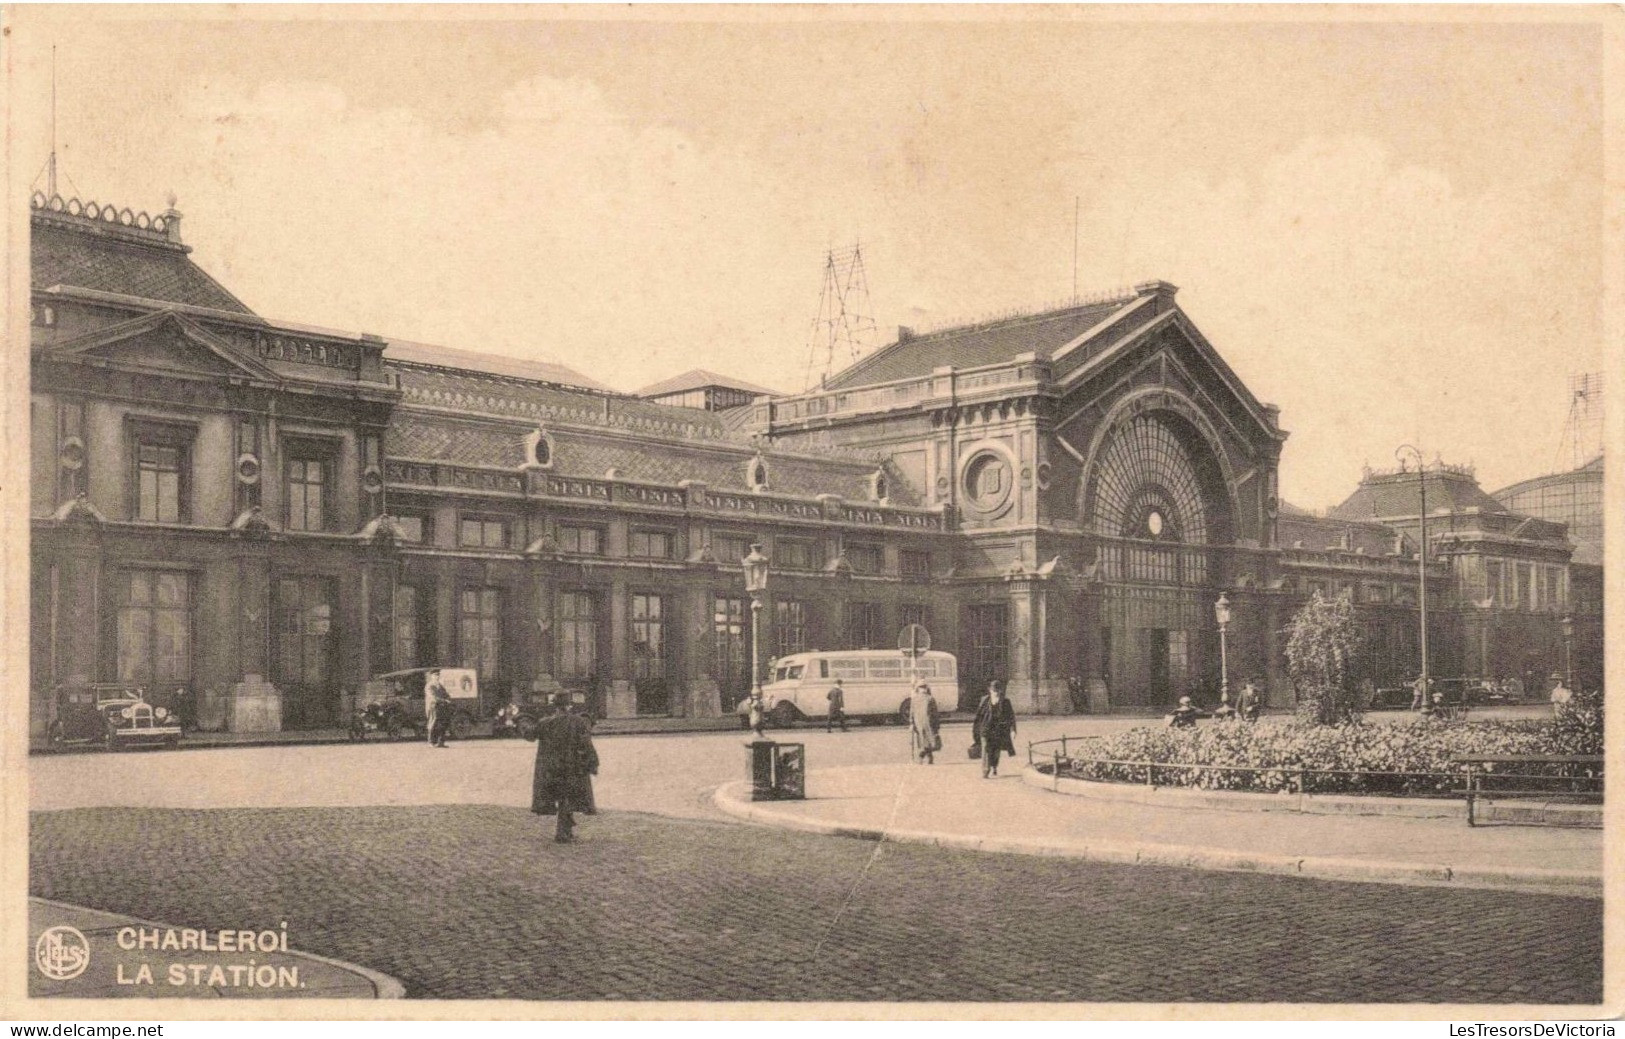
{"type": "Point", "coordinates": [566, 761]}
{"type": "Point", "coordinates": [923, 722]}
{"type": "Point", "coordinates": [994, 726]}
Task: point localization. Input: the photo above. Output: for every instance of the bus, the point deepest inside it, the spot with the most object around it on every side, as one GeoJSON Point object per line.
{"type": "Point", "coordinates": [877, 683]}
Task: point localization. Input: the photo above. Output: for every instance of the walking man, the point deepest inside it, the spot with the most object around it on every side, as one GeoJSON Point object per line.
{"type": "Point", "coordinates": [923, 722]}
{"type": "Point", "coordinates": [439, 712]}
{"type": "Point", "coordinates": [837, 707]}
{"type": "Point", "coordinates": [565, 764]}
{"type": "Point", "coordinates": [993, 728]}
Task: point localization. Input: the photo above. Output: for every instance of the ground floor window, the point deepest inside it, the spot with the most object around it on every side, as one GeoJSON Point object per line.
{"type": "Point", "coordinates": [649, 658]}
{"type": "Point", "coordinates": [480, 632]}
{"type": "Point", "coordinates": [305, 647]}
{"type": "Point", "coordinates": [730, 648]}
{"type": "Point", "coordinates": [790, 626]}
{"type": "Point", "coordinates": [578, 635]}
{"type": "Point", "coordinates": [154, 627]}
{"type": "Point", "coordinates": [865, 626]}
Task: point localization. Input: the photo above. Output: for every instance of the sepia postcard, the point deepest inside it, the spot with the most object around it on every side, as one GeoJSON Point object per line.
{"type": "Point", "coordinates": [926, 512]}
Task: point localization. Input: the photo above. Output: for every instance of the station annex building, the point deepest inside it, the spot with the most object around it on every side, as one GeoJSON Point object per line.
{"type": "Point", "coordinates": [251, 518]}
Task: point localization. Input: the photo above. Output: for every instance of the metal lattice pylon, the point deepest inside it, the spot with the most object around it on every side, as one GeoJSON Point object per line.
{"type": "Point", "coordinates": [844, 328]}
{"type": "Point", "coordinates": [1582, 433]}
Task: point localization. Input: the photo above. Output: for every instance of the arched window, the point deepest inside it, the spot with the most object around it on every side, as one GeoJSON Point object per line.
{"type": "Point", "coordinates": [1145, 488]}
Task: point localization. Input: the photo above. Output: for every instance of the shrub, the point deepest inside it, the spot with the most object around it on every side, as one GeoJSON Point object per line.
{"type": "Point", "coordinates": [1578, 724]}
{"type": "Point", "coordinates": [1322, 638]}
{"type": "Point", "coordinates": [1411, 758]}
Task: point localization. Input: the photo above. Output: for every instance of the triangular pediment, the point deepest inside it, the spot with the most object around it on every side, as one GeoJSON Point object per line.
{"type": "Point", "coordinates": [163, 341]}
{"type": "Point", "coordinates": [1167, 349]}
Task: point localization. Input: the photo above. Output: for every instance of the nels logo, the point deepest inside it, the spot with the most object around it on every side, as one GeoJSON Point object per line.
{"type": "Point", "coordinates": [62, 953]}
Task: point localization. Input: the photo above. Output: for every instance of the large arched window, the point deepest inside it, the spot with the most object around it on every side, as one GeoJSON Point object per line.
{"type": "Point", "coordinates": [1146, 488]}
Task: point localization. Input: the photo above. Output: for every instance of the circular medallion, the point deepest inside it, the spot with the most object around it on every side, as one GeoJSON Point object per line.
{"type": "Point", "coordinates": [988, 481]}
{"type": "Point", "coordinates": [1153, 523]}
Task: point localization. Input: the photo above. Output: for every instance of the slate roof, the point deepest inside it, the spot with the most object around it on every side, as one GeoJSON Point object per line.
{"type": "Point", "coordinates": [483, 394]}
{"type": "Point", "coordinates": [975, 345]}
{"type": "Point", "coordinates": [1320, 534]}
{"type": "Point", "coordinates": [699, 378]}
{"type": "Point", "coordinates": [417, 435]}
{"type": "Point", "coordinates": [1399, 494]}
{"type": "Point", "coordinates": [492, 364]}
{"type": "Point", "coordinates": [68, 250]}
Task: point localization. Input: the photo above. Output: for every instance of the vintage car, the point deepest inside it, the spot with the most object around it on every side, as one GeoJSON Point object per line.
{"type": "Point", "coordinates": [404, 708]}
{"type": "Point", "coordinates": [112, 716]}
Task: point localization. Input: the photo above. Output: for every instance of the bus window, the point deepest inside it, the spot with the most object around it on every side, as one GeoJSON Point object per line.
{"type": "Point", "coordinates": [795, 670]}
{"type": "Point", "coordinates": [847, 668]}
{"type": "Point", "coordinates": [823, 669]}
{"type": "Point", "coordinates": [886, 669]}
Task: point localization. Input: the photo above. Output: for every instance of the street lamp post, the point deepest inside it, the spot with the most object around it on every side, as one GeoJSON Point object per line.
{"type": "Point", "coordinates": [755, 566]}
{"type": "Point", "coordinates": [1221, 612]}
{"type": "Point", "coordinates": [1421, 567]}
{"type": "Point", "coordinates": [1568, 650]}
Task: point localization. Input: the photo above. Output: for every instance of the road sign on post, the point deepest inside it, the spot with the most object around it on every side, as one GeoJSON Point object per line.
{"type": "Point", "coordinates": [914, 639]}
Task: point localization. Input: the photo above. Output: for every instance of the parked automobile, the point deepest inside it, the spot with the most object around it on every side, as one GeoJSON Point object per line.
{"type": "Point", "coordinates": [113, 716]}
{"type": "Point", "coordinates": [405, 709]}
{"type": "Point", "coordinates": [391, 717]}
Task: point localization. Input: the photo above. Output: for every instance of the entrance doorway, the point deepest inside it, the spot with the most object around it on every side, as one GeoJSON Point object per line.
{"type": "Point", "coordinates": [987, 630]}
{"type": "Point", "coordinates": [305, 641]}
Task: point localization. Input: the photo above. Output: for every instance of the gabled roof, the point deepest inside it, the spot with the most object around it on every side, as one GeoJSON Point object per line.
{"type": "Point", "coordinates": [219, 355]}
{"type": "Point", "coordinates": [78, 251]}
{"type": "Point", "coordinates": [972, 346]}
{"type": "Point", "coordinates": [698, 379]}
{"type": "Point", "coordinates": [408, 352]}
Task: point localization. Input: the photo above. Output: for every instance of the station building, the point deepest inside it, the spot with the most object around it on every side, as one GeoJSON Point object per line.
{"type": "Point", "coordinates": [254, 517]}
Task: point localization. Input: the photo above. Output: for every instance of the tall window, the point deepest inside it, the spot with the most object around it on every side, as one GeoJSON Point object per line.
{"type": "Point", "coordinates": [798, 554]}
{"type": "Point", "coordinates": [790, 626]}
{"type": "Point", "coordinates": [483, 532]}
{"type": "Point", "coordinates": [406, 626]}
{"type": "Point", "coordinates": [581, 541]}
{"type": "Point", "coordinates": [914, 613]}
{"type": "Point", "coordinates": [159, 471]}
{"type": "Point", "coordinates": [154, 627]}
{"type": "Point", "coordinates": [731, 548]}
{"type": "Point", "coordinates": [648, 637]}
{"type": "Point", "coordinates": [480, 631]}
{"type": "Point", "coordinates": [730, 631]}
{"type": "Point", "coordinates": [650, 544]}
{"type": "Point", "coordinates": [864, 626]}
{"type": "Point", "coordinates": [916, 565]}
{"type": "Point", "coordinates": [865, 559]}
{"type": "Point", "coordinates": [578, 634]}
{"type": "Point", "coordinates": [307, 493]}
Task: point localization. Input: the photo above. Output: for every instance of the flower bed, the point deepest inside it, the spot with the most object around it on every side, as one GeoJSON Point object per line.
{"type": "Point", "coordinates": [1412, 759]}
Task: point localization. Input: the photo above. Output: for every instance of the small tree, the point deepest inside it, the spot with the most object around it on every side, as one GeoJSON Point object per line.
{"type": "Point", "coordinates": [1322, 639]}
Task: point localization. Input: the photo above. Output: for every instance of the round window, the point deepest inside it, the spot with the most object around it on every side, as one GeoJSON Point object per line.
{"type": "Point", "coordinates": [988, 481]}
{"type": "Point", "coordinates": [1153, 523]}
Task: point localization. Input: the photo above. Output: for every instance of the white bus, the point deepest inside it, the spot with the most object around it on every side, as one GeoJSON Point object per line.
{"type": "Point", "coordinates": [877, 683]}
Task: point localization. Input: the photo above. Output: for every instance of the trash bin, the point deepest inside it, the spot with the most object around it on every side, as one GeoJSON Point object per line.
{"type": "Point", "coordinates": [790, 771]}
{"type": "Point", "coordinates": [778, 771]}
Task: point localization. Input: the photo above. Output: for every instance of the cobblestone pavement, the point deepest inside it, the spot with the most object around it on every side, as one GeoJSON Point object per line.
{"type": "Point", "coordinates": [467, 901]}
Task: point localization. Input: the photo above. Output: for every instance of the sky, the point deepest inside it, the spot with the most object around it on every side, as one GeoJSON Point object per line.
{"type": "Point", "coordinates": [1393, 231]}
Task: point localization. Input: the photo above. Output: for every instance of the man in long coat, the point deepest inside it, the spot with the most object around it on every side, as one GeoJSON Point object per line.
{"type": "Point", "coordinates": [994, 726]}
{"type": "Point", "coordinates": [565, 765]}
{"type": "Point", "coordinates": [923, 723]}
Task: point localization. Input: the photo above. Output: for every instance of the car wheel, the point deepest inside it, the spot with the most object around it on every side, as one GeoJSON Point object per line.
{"type": "Point", "coordinates": [461, 727]}
{"type": "Point", "coordinates": [783, 714]}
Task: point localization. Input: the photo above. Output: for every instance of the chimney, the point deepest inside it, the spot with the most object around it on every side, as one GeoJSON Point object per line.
{"type": "Point", "coordinates": [172, 221]}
